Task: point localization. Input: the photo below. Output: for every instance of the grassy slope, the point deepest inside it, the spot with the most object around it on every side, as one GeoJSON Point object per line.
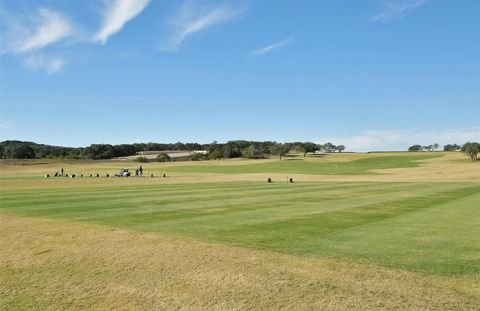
{"type": "Point", "coordinates": [319, 167]}
{"type": "Point", "coordinates": [428, 227]}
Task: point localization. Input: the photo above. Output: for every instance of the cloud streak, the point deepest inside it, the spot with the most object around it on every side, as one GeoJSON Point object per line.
{"type": "Point", "coordinates": [269, 48]}
{"type": "Point", "coordinates": [5, 125]}
{"type": "Point", "coordinates": [49, 27]}
{"type": "Point", "coordinates": [397, 140]}
{"type": "Point", "coordinates": [193, 19]}
{"type": "Point", "coordinates": [394, 9]}
{"type": "Point", "coordinates": [41, 62]}
{"type": "Point", "coordinates": [116, 15]}
{"type": "Point", "coordinates": [28, 35]}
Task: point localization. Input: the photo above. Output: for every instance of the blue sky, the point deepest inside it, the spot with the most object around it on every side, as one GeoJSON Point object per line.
{"type": "Point", "coordinates": [376, 74]}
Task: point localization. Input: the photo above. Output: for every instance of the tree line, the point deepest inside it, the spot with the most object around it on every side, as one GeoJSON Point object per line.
{"type": "Point", "coordinates": [471, 149]}
{"type": "Point", "coordinates": [426, 148]}
{"type": "Point", "coordinates": [14, 149]}
{"type": "Point", "coordinates": [434, 147]}
{"type": "Point", "coordinates": [258, 150]}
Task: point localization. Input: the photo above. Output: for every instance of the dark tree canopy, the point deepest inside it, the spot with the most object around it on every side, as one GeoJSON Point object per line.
{"type": "Point", "coordinates": [252, 153]}
{"type": "Point", "coordinates": [12, 149]}
{"type": "Point", "coordinates": [215, 150]}
{"type": "Point", "coordinates": [471, 149]}
{"type": "Point", "coordinates": [19, 151]}
{"type": "Point", "coordinates": [281, 149]}
{"type": "Point", "coordinates": [163, 157]}
{"type": "Point", "coordinates": [452, 147]}
{"type": "Point", "coordinates": [415, 148]}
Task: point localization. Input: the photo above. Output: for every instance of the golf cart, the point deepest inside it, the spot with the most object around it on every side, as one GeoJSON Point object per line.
{"type": "Point", "coordinates": [123, 173]}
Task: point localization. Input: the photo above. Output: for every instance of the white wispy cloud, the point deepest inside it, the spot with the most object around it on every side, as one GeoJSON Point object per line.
{"type": "Point", "coordinates": [402, 139]}
{"type": "Point", "coordinates": [117, 13]}
{"type": "Point", "coordinates": [393, 9]}
{"type": "Point", "coordinates": [50, 64]}
{"type": "Point", "coordinates": [192, 19]}
{"type": "Point", "coordinates": [47, 28]}
{"type": "Point", "coordinates": [5, 125]}
{"type": "Point", "coordinates": [269, 48]}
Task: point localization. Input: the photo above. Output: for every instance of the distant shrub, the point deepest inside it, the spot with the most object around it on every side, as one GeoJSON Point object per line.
{"type": "Point", "coordinates": [141, 159]}
{"type": "Point", "coordinates": [215, 155]}
{"type": "Point", "coordinates": [252, 153]}
{"type": "Point", "coordinates": [452, 147]}
{"type": "Point", "coordinates": [162, 157]}
{"type": "Point", "coordinates": [199, 157]}
{"type": "Point", "coordinates": [415, 148]}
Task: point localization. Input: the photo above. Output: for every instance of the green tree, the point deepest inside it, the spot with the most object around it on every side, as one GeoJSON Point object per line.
{"type": "Point", "coordinates": [232, 149]}
{"type": "Point", "coordinates": [162, 157]}
{"type": "Point", "coordinates": [280, 149]}
{"type": "Point", "coordinates": [329, 147]}
{"type": "Point", "coordinates": [340, 148]}
{"type": "Point", "coordinates": [471, 149]}
{"type": "Point", "coordinates": [415, 148]}
{"type": "Point", "coordinates": [199, 157]}
{"type": "Point", "coordinates": [99, 151]}
{"type": "Point", "coordinates": [305, 147]}
{"type": "Point", "coordinates": [214, 155]}
{"type": "Point", "coordinates": [213, 146]}
{"type": "Point", "coordinates": [452, 147]}
{"type": "Point", "coordinates": [19, 151]}
{"type": "Point", "coordinates": [141, 159]}
{"type": "Point", "coordinates": [252, 153]}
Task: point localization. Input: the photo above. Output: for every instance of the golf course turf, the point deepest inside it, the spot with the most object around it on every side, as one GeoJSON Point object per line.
{"type": "Point", "coordinates": [426, 228]}
{"type": "Point", "coordinates": [298, 166]}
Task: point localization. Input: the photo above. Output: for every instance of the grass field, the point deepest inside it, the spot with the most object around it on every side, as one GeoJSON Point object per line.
{"type": "Point", "coordinates": [362, 166]}
{"type": "Point", "coordinates": [380, 231]}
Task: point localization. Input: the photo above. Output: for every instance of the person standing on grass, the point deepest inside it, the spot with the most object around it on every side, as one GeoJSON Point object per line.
{"type": "Point", "coordinates": [141, 170]}
{"type": "Point", "coordinates": [61, 171]}
{"type": "Point", "coordinates": [136, 172]}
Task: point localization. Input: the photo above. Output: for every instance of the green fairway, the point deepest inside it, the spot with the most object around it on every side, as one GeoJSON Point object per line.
{"type": "Point", "coordinates": [384, 231]}
{"type": "Point", "coordinates": [429, 227]}
{"type": "Point", "coordinates": [319, 167]}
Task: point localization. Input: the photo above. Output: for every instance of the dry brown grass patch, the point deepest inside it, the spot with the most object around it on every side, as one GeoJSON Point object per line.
{"type": "Point", "coordinates": [53, 265]}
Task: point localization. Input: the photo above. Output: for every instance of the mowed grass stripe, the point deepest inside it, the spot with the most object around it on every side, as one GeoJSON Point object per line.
{"type": "Point", "coordinates": [47, 204]}
{"type": "Point", "coordinates": [343, 219]}
{"type": "Point", "coordinates": [271, 215]}
{"type": "Point", "coordinates": [109, 208]}
{"type": "Point", "coordinates": [288, 236]}
{"type": "Point", "coordinates": [163, 189]}
{"type": "Point", "coordinates": [126, 192]}
{"type": "Point", "coordinates": [305, 202]}
{"type": "Point", "coordinates": [142, 195]}
{"type": "Point", "coordinates": [348, 233]}
{"type": "Point", "coordinates": [106, 189]}
{"type": "Point", "coordinates": [122, 206]}
{"type": "Point", "coordinates": [442, 239]}
{"type": "Point", "coordinates": [301, 219]}
{"type": "Point", "coordinates": [147, 205]}
{"type": "Point", "coordinates": [135, 213]}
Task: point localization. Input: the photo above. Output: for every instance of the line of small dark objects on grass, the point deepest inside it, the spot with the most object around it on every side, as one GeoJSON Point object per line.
{"type": "Point", "coordinates": [269, 180]}
{"type": "Point", "coordinates": [98, 176]}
